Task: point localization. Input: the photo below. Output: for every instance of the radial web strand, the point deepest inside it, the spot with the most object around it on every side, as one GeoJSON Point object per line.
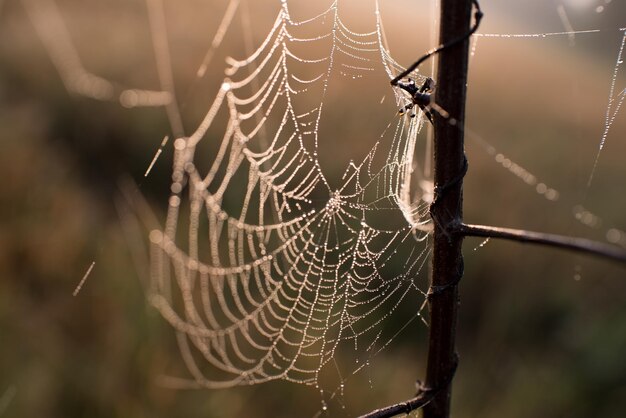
{"type": "Point", "coordinates": [616, 99]}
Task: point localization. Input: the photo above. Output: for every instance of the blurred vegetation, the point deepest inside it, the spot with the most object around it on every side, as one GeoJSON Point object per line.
{"type": "Point", "coordinates": [541, 333]}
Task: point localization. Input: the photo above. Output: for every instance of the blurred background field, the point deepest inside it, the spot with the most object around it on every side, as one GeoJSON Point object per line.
{"type": "Point", "coordinates": [542, 333]}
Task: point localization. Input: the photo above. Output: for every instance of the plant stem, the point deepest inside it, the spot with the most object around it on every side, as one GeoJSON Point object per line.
{"type": "Point", "coordinates": [446, 210]}
{"type": "Point", "coordinates": [399, 408]}
{"type": "Point", "coordinates": [552, 240]}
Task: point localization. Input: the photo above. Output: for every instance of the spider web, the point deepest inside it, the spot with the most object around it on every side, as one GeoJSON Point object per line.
{"type": "Point", "coordinates": [267, 266]}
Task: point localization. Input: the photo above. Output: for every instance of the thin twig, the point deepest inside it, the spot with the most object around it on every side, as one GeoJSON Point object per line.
{"type": "Point", "coordinates": [399, 408]}
{"type": "Point", "coordinates": [424, 395]}
{"type": "Point", "coordinates": [478, 15]}
{"type": "Point", "coordinates": [551, 240]}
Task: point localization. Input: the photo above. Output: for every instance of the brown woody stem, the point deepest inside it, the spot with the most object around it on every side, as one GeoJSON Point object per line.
{"type": "Point", "coordinates": [581, 245]}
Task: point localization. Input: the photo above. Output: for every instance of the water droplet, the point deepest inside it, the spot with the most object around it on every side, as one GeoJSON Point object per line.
{"type": "Point", "coordinates": [614, 236]}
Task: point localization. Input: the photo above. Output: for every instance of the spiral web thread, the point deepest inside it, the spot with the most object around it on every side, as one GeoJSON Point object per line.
{"type": "Point", "coordinates": [293, 268]}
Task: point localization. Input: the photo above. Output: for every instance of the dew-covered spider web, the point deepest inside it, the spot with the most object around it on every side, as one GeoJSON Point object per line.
{"type": "Point", "coordinates": [302, 260]}
{"type": "Point", "coordinates": [268, 265]}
